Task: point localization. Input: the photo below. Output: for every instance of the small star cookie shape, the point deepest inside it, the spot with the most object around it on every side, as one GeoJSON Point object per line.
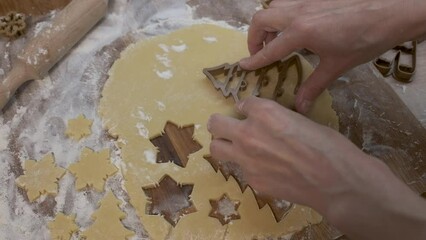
{"type": "Point", "coordinates": [63, 227]}
{"type": "Point", "coordinates": [13, 24]}
{"type": "Point", "coordinates": [79, 128]}
{"type": "Point", "coordinates": [93, 169]}
{"type": "Point", "coordinates": [224, 209]}
{"type": "Point", "coordinates": [40, 177]}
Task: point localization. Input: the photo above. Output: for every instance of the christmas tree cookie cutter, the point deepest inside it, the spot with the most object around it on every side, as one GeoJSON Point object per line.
{"type": "Point", "coordinates": [236, 81]}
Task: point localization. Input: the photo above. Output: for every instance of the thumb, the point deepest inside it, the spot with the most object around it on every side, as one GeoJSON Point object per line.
{"type": "Point", "coordinates": [316, 83]}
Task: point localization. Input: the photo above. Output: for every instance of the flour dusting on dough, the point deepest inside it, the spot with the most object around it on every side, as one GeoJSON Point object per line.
{"type": "Point", "coordinates": [164, 74]}
{"type": "Point", "coordinates": [179, 48]}
{"type": "Point", "coordinates": [164, 59]}
{"type": "Point", "coordinates": [164, 47]}
{"type": "Point", "coordinates": [150, 156]}
{"type": "Point", "coordinates": [210, 39]}
{"type": "Point", "coordinates": [161, 106]}
{"type": "Point", "coordinates": [142, 130]}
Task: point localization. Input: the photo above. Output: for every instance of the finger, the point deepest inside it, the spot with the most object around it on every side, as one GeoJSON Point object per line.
{"type": "Point", "coordinates": [279, 48]}
{"type": "Point", "coordinates": [222, 127]}
{"type": "Point", "coordinates": [253, 106]}
{"type": "Point", "coordinates": [223, 150]}
{"type": "Point", "coordinates": [264, 22]}
{"type": "Point", "coordinates": [270, 37]}
{"type": "Point", "coordinates": [319, 80]}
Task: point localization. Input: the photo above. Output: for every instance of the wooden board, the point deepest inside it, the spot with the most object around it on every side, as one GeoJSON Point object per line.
{"type": "Point", "coordinates": [370, 112]}
{"type": "Point", "coordinates": [31, 7]}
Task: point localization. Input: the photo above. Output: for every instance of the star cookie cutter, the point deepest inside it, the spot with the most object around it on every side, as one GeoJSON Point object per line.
{"type": "Point", "coordinates": [236, 80]}
{"type": "Point", "coordinates": [13, 24]}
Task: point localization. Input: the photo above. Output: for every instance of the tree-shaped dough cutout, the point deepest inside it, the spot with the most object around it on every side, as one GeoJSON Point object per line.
{"type": "Point", "coordinates": [224, 209]}
{"type": "Point", "coordinates": [93, 169]}
{"type": "Point", "coordinates": [63, 227]}
{"type": "Point", "coordinates": [170, 200]}
{"type": "Point", "coordinates": [107, 221]}
{"type": "Point", "coordinates": [175, 144]}
{"type": "Point", "coordinates": [40, 177]}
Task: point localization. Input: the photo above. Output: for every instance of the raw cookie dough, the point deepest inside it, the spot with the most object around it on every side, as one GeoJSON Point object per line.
{"type": "Point", "coordinates": [63, 227]}
{"type": "Point", "coordinates": [154, 83]}
{"type": "Point", "coordinates": [40, 177]}
{"type": "Point", "coordinates": [93, 169]}
{"type": "Point", "coordinates": [107, 221]}
{"type": "Point", "coordinates": [79, 128]}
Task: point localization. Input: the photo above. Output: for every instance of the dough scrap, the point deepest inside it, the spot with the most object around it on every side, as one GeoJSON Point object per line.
{"type": "Point", "coordinates": [79, 128]}
{"type": "Point", "coordinates": [40, 177]}
{"type": "Point", "coordinates": [93, 169]}
{"type": "Point", "coordinates": [138, 100]}
{"type": "Point", "coordinates": [63, 227]}
{"type": "Point", "coordinates": [107, 221]}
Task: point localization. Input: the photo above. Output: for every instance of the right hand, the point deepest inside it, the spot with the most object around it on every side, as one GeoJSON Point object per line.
{"type": "Point", "coordinates": [343, 34]}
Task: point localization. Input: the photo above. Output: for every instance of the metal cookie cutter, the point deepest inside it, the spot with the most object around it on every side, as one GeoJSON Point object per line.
{"type": "Point", "coordinates": [236, 81]}
{"type": "Point", "coordinates": [400, 62]}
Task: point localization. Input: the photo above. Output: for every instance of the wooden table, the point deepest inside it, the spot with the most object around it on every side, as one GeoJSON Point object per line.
{"type": "Point", "coordinates": [405, 164]}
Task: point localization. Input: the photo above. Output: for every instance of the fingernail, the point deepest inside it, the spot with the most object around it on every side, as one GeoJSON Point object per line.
{"type": "Point", "coordinates": [305, 106]}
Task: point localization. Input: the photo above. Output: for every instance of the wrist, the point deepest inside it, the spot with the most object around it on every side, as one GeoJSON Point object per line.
{"type": "Point", "coordinates": [380, 206]}
{"type": "Point", "coordinates": [412, 16]}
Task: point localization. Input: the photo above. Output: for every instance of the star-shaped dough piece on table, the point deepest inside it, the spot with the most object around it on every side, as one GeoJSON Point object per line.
{"type": "Point", "coordinates": [79, 128]}
{"type": "Point", "coordinates": [224, 209]}
{"type": "Point", "coordinates": [170, 200]}
{"type": "Point", "coordinates": [40, 177]}
{"type": "Point", "coordinates": [62, 227]}
{"type": "Point", "coordinates": [93, 169]}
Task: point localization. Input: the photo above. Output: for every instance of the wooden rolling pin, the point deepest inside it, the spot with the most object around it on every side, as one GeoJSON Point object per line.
{"type": "Point", "coordinates": [51, 44]}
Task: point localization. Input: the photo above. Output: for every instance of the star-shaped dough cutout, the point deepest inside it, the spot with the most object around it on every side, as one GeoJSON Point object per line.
{"type": "Point", "coordinates": [79, 128]}
{"type": "Point", "coordinates": [175, 144]}
{"type": "Point", "coordinates": [93, 169]}
{"type": "Point", "coordinates": [40, 177]}
{"type": "Point", "coordinates": [63, 227]}
{"type": "Point", "coordinates": [170, 200]}
{"type": "Point", "coordinates": [224, 209]}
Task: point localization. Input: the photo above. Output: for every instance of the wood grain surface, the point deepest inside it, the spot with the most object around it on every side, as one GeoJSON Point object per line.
{"type": "Point", "coordinates": [371, 114]}
{"type": "Point", "coordinates": [31, 7]}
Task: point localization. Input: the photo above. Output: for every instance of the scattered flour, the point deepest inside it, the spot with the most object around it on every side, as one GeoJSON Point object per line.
{"type": "Point", "coordinates": [142, 130]}
{"type": "Point", "coordinates": [179, 48]}
{"type": "Point", "coordinates": [164, 59]}
{"type": "Point", "coordinates": [4, 137]}
{"type": "Point", "coordinates": [210, 39]}
{"type": "Point", "coordinates": [164, 47]}
{"type": "Point", "coordinates": [150, 156]}
{"type": "Point", "coordinates": [161, 106]}
{"type": "Point", "coordinates": [168, 74]}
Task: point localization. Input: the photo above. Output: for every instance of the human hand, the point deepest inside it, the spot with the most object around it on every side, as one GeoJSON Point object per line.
{"type": "Point", "coordinates": [285, 155]}
{"type": "Point", "coordinates": [343, 34]}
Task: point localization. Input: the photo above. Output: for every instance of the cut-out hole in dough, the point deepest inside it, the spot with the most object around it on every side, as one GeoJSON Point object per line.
{"type": "Point", "coordinates": [280, 208]}
{"type": "Point", "coordinates": [228, 169]}
{"type": "Point", "coordinates": [175, 144]}
{"type": "Point", "coordinates": [224, 209]}
{"type": "Point", "coordinates": [169, 199]}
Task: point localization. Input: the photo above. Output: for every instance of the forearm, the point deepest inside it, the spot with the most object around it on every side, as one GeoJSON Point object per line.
{"type": "Point", "coordinates": [380, 208]}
